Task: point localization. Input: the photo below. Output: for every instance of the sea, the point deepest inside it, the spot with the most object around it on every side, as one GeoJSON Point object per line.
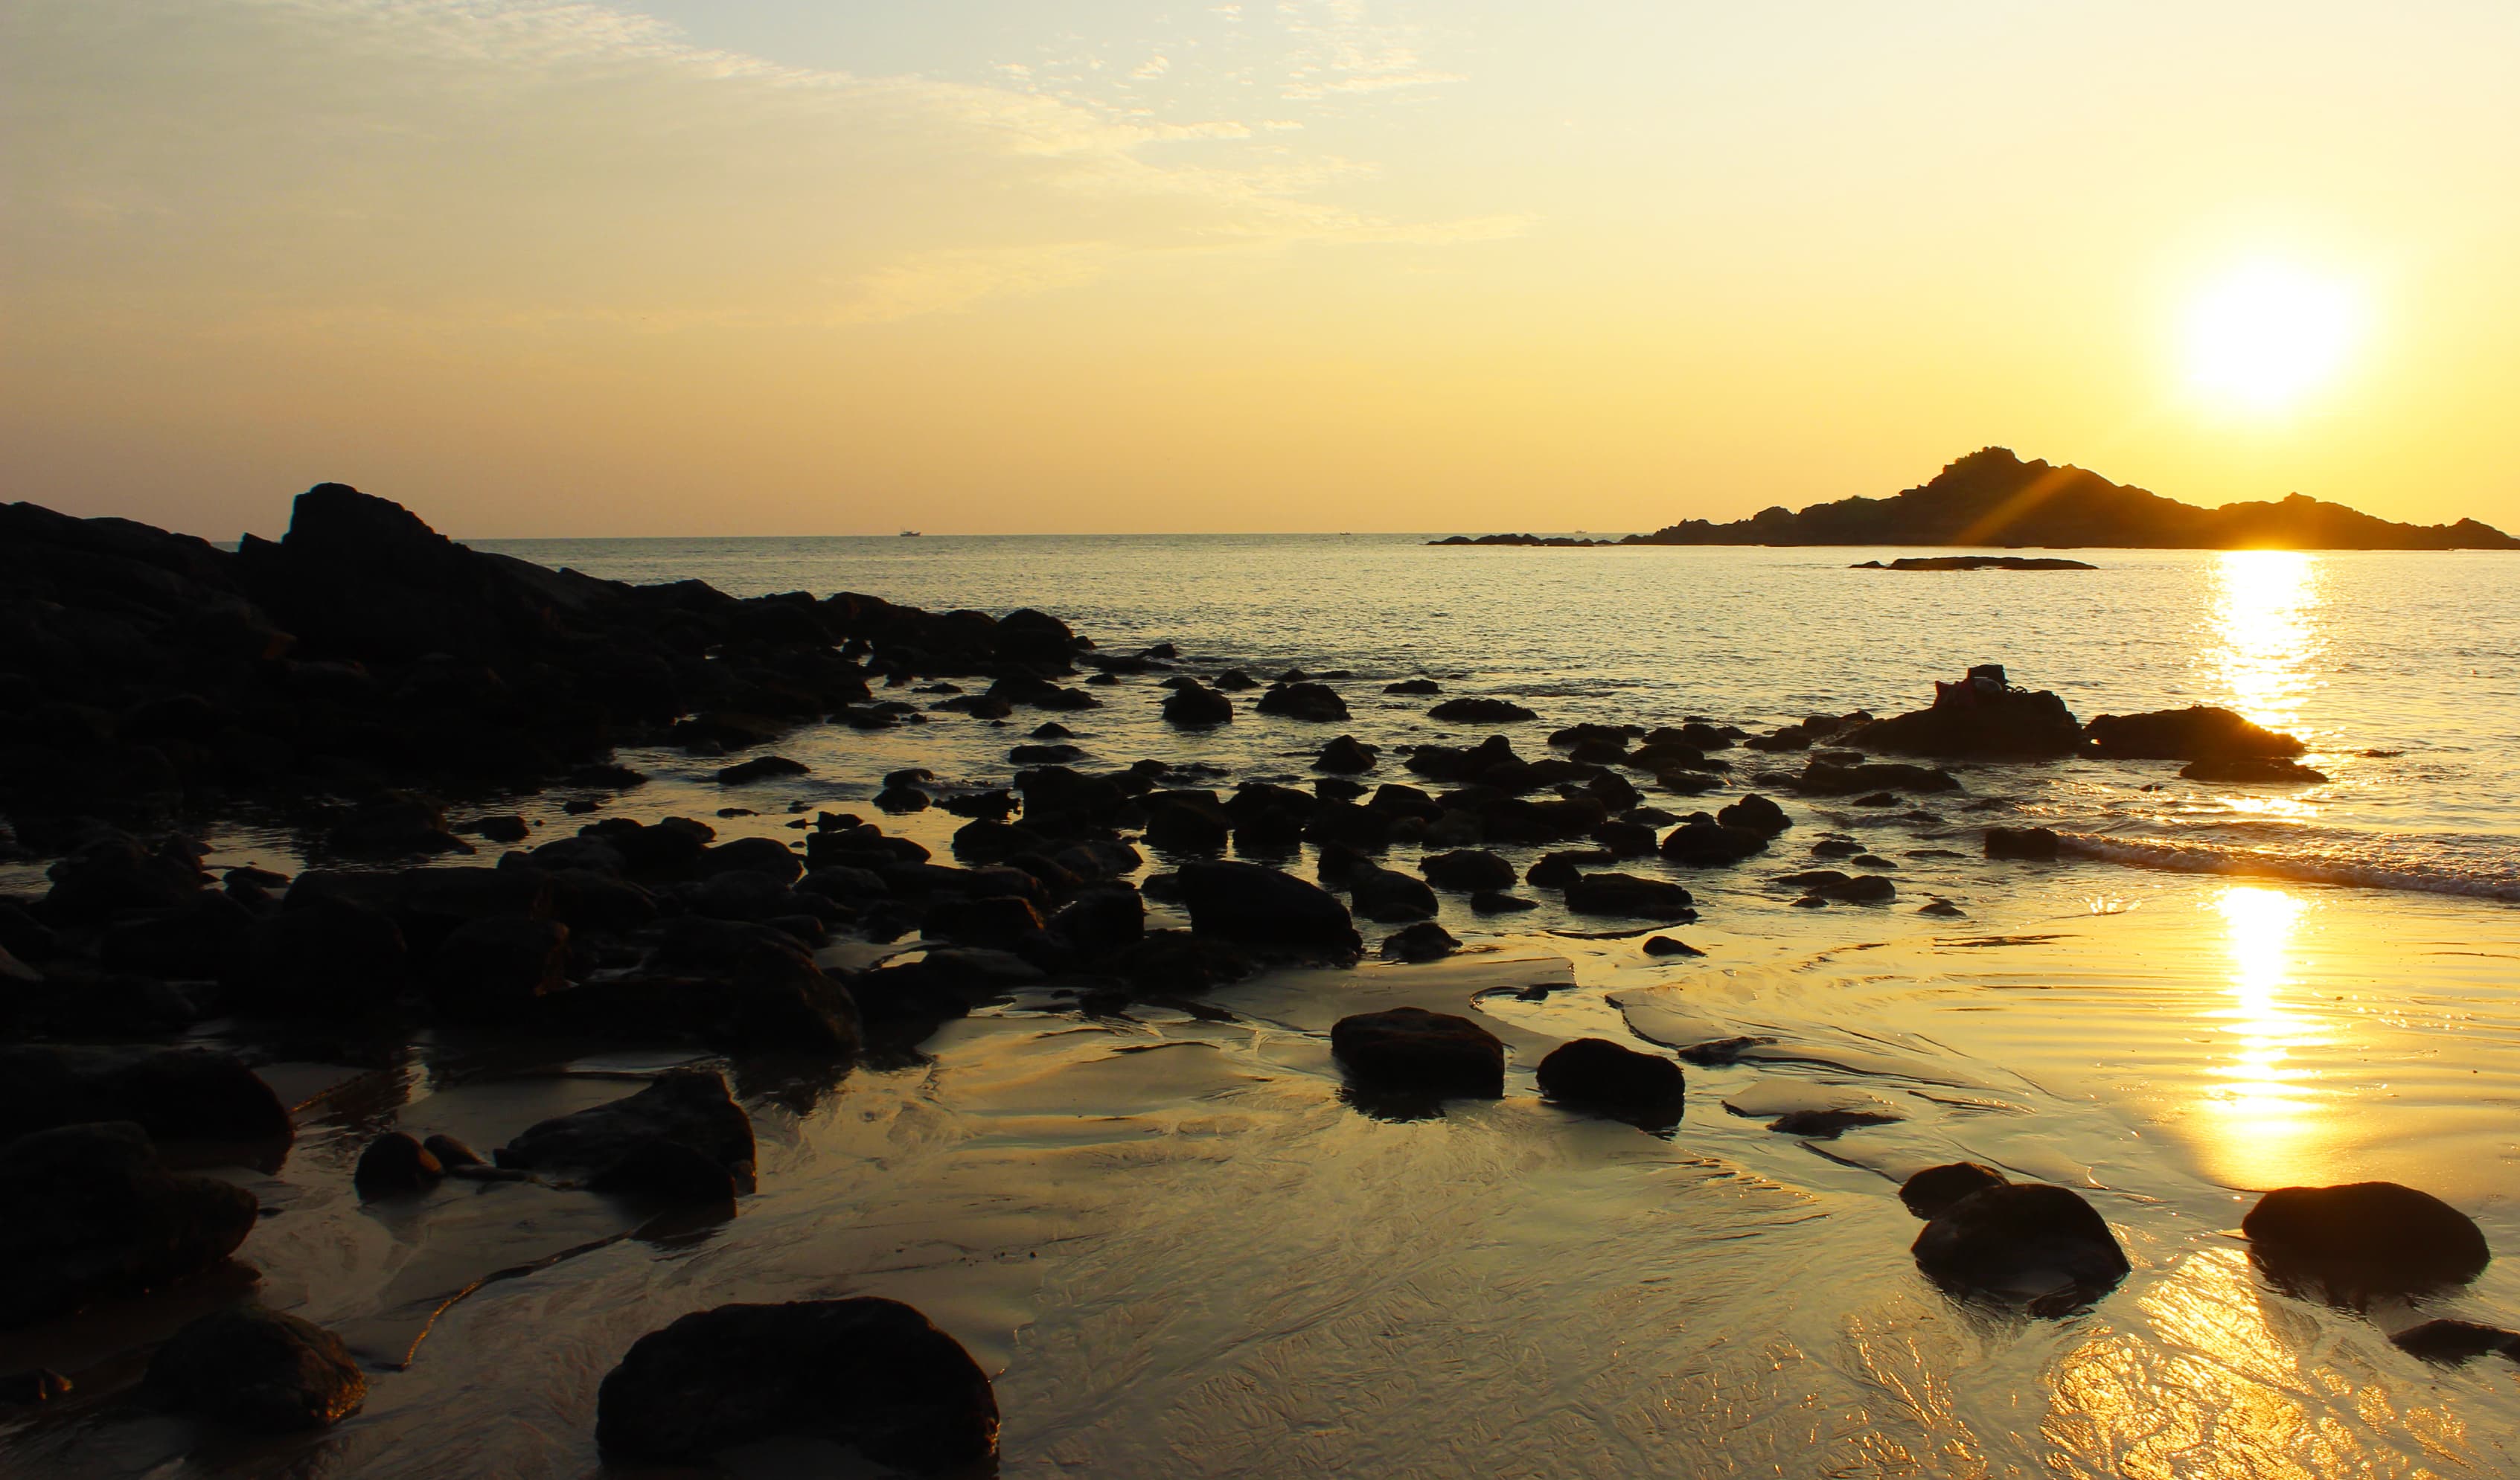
{"type": "Point", "coordinates": [1181, 1250]}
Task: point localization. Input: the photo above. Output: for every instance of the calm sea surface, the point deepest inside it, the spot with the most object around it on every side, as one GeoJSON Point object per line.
{"type": "Point", "coordinates": [1180, 1251]}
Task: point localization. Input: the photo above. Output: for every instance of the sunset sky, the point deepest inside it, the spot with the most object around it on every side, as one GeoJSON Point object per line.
{"type": "Point", "coordinates": [782, 266]}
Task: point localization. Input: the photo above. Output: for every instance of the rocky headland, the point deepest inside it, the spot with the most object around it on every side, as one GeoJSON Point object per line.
{"type": "Point", "coordinates": [1992, 497]}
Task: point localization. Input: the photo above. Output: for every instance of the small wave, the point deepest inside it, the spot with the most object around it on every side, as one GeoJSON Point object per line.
{"type": "Point", "coordinates": [2209, 858]}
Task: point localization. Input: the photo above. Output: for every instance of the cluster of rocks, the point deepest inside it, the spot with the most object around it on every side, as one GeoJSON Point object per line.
{"type": "Point", "coordinates": [144, 674]}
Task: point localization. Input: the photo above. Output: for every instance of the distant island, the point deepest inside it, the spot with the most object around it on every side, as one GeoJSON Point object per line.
{"type": "Point", "coordinates": [1977, 562]}
{"type": "Point", "coordinates": [1991, 497]}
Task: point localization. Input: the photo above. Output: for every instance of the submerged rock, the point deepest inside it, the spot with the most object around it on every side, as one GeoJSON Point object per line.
{"type": "Point", "coordinates": [1711, 845]}
{"type": "Point", "coordinates": [1195, 705]}
{"type": "Point", "coordinates": [258, 1369]}
{"type": "Point", "coordinates": [1628, 895]}
{"type": "Point", "coordinates": [685, 1107]}
{"type": "Point", "coordinates": [760, 768]}
{"type": "Point", "coordinates": [1346, 756]}
{"type": "Point", "coordinates": [2457, 1341]}
{"type": "Point", "coordinates": [2365, 1238]}
{"type": "Point", "coordinates": [1467, 870]}
{"type": "Point", "coordinates": [2253, 771]}
{"type": "Point", "coordinates": [1755, 814]}
{"type": "Point", "coordinates": [1826, 1125]}
{"type": "Point", "coordinates": [1600, 1074]}
{"type": "Point", "coordinates": [1410, 1050]}
{"type": "Point", "coordinates": [1498, 902]}
{"type": "Point", "coordinates": [1421, 942]}
{"type": "Point", "coordinates": [868, 1373]}
{"type": "Point", "coordinates": [1664, 945]}
{"type": "Point", "coordinates": [1481, 712]}
{"type": "Point", "coordinates": [2028, 844]}
{"type": "Point", "coordinates": [2025, 1240]}
{"type": "Point", "coordinates": [93, 1214]}
{"type": "Point", "coordinates": [1317, 703]}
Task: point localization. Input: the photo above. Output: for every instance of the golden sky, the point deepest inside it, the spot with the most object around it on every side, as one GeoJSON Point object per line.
{"type": "Point", "coordinates": [778, 266]}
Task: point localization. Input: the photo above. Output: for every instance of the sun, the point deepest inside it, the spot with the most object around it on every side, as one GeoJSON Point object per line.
{"type": "Point", "coordinates": [2268, 334]}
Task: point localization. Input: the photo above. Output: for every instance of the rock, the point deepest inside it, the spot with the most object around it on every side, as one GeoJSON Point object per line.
{"type": "Point", "coordinates": [1851, 889]}
{"type": "Point", "coordinates": [1193, 705]}
{"type": "Point", "coordinates": [2457, 1341]}
{"type": "Point", "coordinates": [92, 1214]}
{"type": "Point", "coordinates": [1187, 822]}
{"type": "Point", "coordinates": [507, 828]}
{"type": "Point", "coordinates": [688, 1107]}
{"type": "Point", "coordinates": [452, 1154]}
{"type": "Point", "coordinates": [395, 1166]}
{"type": "Point", "coordinates": [1604, 1075]}
{"type": "Point", "coordinates": [751, 855]}
{"type": "Point", "coordinates": [1267, 908]}
{"type": "Point", "coordinates": [1941, 907]}
{"type": "Point", "coordinates": [1626, 895]}
{"type": "Point", "coordinates": [866, 1372]}
{"type": "Point", "coordinates": [901, 801]}
{"type": "Point", "coordinates": [2365, 1238]}
{"type": "Point", "coordinates": [1413, 686]}
{"type": "Point", "coordinates": [330, 956]}
{"type": "Point", "coordinates": [2029, 844]}
{"type": "Point", "coordinates": [1711, 845]}
{"type": "Point", "coordinates": [1421, 942]}
{"type": "Point", "coordinates": [1413, 1052]}
{"type": "Point", "coordinates": [175, 1095]}
{"type": "Point", "coordinates": [1555, 870]}
{"type": "Point", "coordinates": [1318, 702]}
{"type": "Point", "coordinates": [1930, 1192]}
{"type": "Point", "coordinates": [260, 1369]}
{"type": "Point", "coordinates": [2024, 1240]}
{"type": "Point", "coordinates": [1387, 895]}
{"type": "Point", "coordinates": [1101, 920]}
{"type": "Point", "coordinates": [395, 824]}
{"type": "Point", "coordinates": [1971, 719]}
{"type": "Point", "coordinates": [1236, 681]}
{"type": "Point", "coordinates": [940, 984]}
{"type": "Point", "coordinates": [491, 970]}
{"type": "Point", "coordinates": [1664, 945]}
{"type": "Point", "coordinates": [1825, 1125]}
{"type": "Point", "coordinates": [1467, 869]}
{"type": "Point", "coordinates": [670, 1171]}
{"type": "Point", "coordinates": [1346, 756]}
{"type": "Point", "coordinates": [1497, 901]}
{"type": "Point", "coordinates": [1755, 814]}
{"type": "Point", "coordinates": [760, 768]}
{"type": "Point", "coordinates": [998, 922]}
{"type": "Point", "coordinates": [2199, 731]}
{"type": "Point", "coordinates": [1480, 711]}
{"type": "Point", "coordinates": [2253, 771]}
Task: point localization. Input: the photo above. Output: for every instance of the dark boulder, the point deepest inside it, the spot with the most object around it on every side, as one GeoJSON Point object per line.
{"type": "Point", "coordinates": [866, 1372]}
{"type": "Point", "coordinates": [1413, 686]}
{"type": "Point", "coordinates": [1101, 919]}
{"type": "Point", "coordinates": [1387, 895]}
{"type": "Point", "coordinates": [1479, 710]}
{"type": "Point", "coordinates": [1930, 1192]}
{"type": "Point", "coordinates": [1628, 895]}
{"type": "Point", "coordinates": [1266, 908]}
{"type": "Point", "coordinates": [761, 768]}
{"type": "Point", "coordinates": [172, 1094]}
{"type": "Point", "coordinates": [1421, 942]}
{"type": "Point", "coordinates": [2253, 771]}
{"type": "Point", "coordinates": [1555, 870]}
{"type": "Point", "coordinates": [1194, 704]}
{"type": "Point", "coordinates": [688, 1107]}
{"type": "Point", "coordinates": [2199, 731]}
{"type": "Point", "coordinates": [1755, 814]}
{"type": "Point", "coordinates": [491, 970]}
{"type": "Point", "coordinates": [505, 827]}
{"type": "Point", "coordinates": [1187, 822]}
{"type": "Point", "coordinates": [1846, 889]}
{"type": "Point", "coordinates": [1626, 839]}
{"type": "Point", "coordinates": [452, 1154]}
{"type": "Point", "coordinates": [2365, 1238]}
{"type": "Point", "coordinates": [751, 855]}
{"type": "Point", "coordinates": [1664, 945]}
{"type": "Point", "coordinates": [1467, 869]}
{"type": "Point", "coordinates": [1317, 703]}
{"type": "Point", "coordinates": [2028, 1240]}
{"type": "Point", "coordinates": [1346, 756]}
{"type": "Point", "coordinates": [331, 956]}
{"type": "Point", "coordinates": [395, 1165]}
{"type": "Point", "coordinates": [1410, 1050]}
{"type": "Point", "coordinates": [2027, 844]}
{"type": "Point", "coordinates": [1711, 845]}
{"type": "Point", "coordinates": [1600, 1074]}
{"type": "Point", "coordinates": [260, 1370]}
{"type": "Point", "coordinates": [93, 1214]}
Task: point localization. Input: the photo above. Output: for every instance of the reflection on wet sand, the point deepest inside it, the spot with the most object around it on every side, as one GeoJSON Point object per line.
{"type": "Point", "coordinates": [2266, 1105]}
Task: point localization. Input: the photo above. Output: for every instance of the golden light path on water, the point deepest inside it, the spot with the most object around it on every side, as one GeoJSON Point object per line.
{"type": "Point", "coordinates": [2265, 1107]}
{"type": "Point", "coordinates": [2265, 614]}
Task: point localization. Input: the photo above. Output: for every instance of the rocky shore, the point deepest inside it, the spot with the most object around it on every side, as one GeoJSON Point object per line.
{"type": "Point", "coordinates": [383, 689]}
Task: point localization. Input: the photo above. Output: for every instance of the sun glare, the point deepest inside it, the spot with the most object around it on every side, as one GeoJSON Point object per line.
{"type": "Point", "coordinates": [2267, 334]}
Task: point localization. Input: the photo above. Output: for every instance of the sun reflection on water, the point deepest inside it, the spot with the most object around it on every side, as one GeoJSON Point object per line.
{"type": "Point", "coordinates": [2262, 1098]}
{"type": "Point", "coordinates": [2267, 615]}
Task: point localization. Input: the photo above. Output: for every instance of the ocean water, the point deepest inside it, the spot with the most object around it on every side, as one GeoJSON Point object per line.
{"type": "Point", "coordinates": [1181, 1251]}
